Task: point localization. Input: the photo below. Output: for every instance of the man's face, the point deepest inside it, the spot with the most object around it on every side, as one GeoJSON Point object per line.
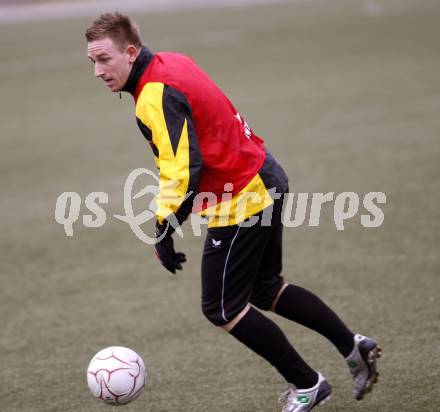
{"type": "Point", "coordinates": [111, 64]}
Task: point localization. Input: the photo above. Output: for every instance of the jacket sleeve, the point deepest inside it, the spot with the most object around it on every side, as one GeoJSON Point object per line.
{"type": "Point", "coordinates": [164, 117]}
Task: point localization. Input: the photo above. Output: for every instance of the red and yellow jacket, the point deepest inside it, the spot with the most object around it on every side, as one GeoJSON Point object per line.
{"type": "Point", "coordinates": [199, 140]}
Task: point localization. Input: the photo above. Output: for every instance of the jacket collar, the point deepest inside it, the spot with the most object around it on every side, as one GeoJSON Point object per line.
{"type": "Point", "coordinates": [139, 66]}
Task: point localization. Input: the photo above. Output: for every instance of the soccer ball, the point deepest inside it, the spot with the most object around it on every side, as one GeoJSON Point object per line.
{"type": "Point", "coordinates": [116, 375]}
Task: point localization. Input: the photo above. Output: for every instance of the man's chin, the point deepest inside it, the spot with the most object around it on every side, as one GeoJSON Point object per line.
{"type": "Point", "coordinates": [113, 87]}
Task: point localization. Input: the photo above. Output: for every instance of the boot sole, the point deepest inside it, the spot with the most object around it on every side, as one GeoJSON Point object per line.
{"type": "Point", "coordinates": [373, 355]}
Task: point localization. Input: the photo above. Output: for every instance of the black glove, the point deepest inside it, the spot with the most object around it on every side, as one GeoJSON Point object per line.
{"type": "Point", "coordinates": [170, 259]}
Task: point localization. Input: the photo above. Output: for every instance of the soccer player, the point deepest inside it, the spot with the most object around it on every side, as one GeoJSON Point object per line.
{"type": "Point", "coordinates": [210, 161]}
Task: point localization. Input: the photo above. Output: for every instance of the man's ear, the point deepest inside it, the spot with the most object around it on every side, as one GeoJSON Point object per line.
{"type": "Point", "coordinates": [132, 53]}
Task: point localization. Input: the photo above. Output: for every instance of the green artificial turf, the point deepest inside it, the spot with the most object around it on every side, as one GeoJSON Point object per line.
{"type": "Point", "coordinates": [347, 100]}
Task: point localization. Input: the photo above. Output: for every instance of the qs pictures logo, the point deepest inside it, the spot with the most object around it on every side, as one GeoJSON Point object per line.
{"type": "Point", "coordinates": [298, 208]}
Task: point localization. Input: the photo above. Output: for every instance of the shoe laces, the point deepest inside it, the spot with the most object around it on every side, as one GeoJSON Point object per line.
{"type": "Point", "coordinates": [288, 397]}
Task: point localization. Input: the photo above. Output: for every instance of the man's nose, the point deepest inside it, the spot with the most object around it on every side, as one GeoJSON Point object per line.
{"type": "Point", "coordinates": [98, 70]}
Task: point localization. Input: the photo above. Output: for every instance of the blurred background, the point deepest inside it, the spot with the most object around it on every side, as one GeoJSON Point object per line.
{"type": "Point", "coordinates": [346, 94]}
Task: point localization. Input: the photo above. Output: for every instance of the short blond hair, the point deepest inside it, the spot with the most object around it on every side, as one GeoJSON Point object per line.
{"type": "Point", "coordinates": [118, 27]}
